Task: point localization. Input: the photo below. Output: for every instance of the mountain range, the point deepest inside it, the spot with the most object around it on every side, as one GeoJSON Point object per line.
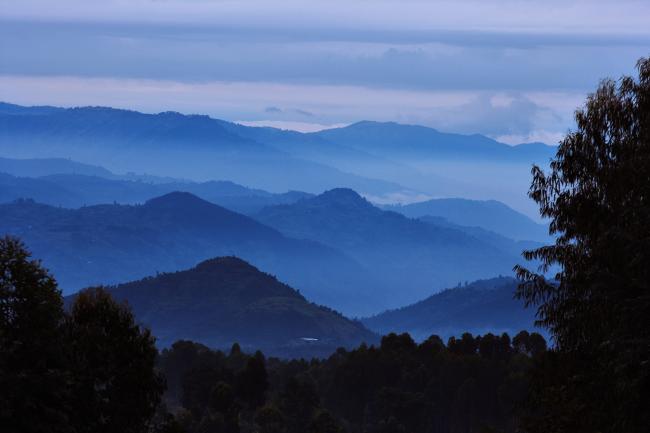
{"type": "Point", "coordinates": [76, 190]}
{"type": "Point", "coordinates": [388, 161]}
{"type": "Point", "coordinates": [169, 144]}
{"type": "Point", "coordinates": [109, 244]}
{"type": "Point", "coordinates": [488, 214]}
{"type": "Point", "coordinates": [351, 247]}
{"type": "Point", "coordinates": [67, 183]}
{"type": "Point", "coordinates": [336, 247]}
{"type": "Point", "coordinates": [415, 256]}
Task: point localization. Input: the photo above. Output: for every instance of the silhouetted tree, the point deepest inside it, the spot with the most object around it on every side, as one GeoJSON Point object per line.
{"type": "Point", "coordinates": [471, 386]}
{"type": "Point", "coordinates": [298, 403]}
{"type": "Point", "coordinates": [92, 370]}
{"type": "Point", "coordinates": [117, 388]}
{"type": "Point", "coordinates": [597, 307]}
{"type": "Point", "coordinates": [33, 371]}
{"type": "Point", "coordinates": [252, 382]}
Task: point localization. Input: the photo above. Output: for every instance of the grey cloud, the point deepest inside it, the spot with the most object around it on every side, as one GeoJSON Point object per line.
{"type": "Point", "coordinates": [183, 53]}
{"type": "Point", "coordinates": [520, 117]}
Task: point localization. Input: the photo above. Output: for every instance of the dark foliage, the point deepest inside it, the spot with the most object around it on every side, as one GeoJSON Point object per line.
{"type": "Point", "coordinates": [92, 370]}
{"type": "Point", "coordinates": [471, 384]}
{"type": "Point", "coordinates": [34, 378]}
{"type": "Point", "coordinates": [116, 387]}
{"type": "Point", "coordinates": [597, 196]}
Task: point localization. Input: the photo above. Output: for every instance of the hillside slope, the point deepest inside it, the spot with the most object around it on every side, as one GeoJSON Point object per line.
{"type": "Point", "coordinates": [171, 144]}
{"type": "Point", "coordinates": [108, 244]}
{"type": "Point", "coordinates": [226, 300]}
{"type": "Point", "coordinates": [407, 142]}
{"type": "Point", "coordinates": [478, 308]}
{"type": "Point", "coordinates": [76, 190]}
{"type": "Point", "coordinates": [489, 214]}
{"type": "Point", "coordinates": [415, 257]}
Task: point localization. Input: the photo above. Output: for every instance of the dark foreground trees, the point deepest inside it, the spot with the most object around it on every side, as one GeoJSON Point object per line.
{"type": "Point", "coordinates": [34, 379]}
{"type": "Point", "coordinates": [470, 384]}
{"type": "Point", "coordinates": [112, 360]}
{"type": "Point", "coordinates": [92, 370]}
{"type": "Point", "coordinates": [597, 196]}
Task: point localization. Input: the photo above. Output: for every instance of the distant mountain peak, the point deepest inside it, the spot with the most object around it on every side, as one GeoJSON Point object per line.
{"type": "Point", "coordinates": [366, 123]}
{"type": "Point", "coordinates": [230, 263]}
{"type": "Point", "coordinates": [344, 197]}
{"type": "Point", "coordinates": [341, 193]}
{"type": "Point", "coordinates": [177, 198]}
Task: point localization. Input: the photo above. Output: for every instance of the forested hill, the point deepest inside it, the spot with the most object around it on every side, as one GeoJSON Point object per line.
{"type": "Point", "coordinates": [110, 244]}
{"type": "Point", "coordinates": [418, 257]}
{"type": "Point", "coordinates": [74, 190]}
{"type": "Point", "coordinates": [226, 300]}
{"type": "Point", "coordinates": [407, 142]}
{"type": "Point", "coordinates": [478, 307]}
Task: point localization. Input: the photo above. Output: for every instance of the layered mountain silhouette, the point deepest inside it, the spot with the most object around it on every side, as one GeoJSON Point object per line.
{"type": "Point", "coordinates": [489, 214]}
{"type": "Point", "coordinates": [415, 257]}
{"type": "Point", "coordinates": [38, 167]}
{"type": "Point", "coordinates": [479, 307]}
{"type": "Point", "coordinates": [406, 142]}
{"type": "Point", "coordinates": [171, 144]}
{"type": "Point", "coordinates": [383, 160]}
{"type": "Point", "coordinates": [495, 239]}
{"type": "Point", "coordinates": [226, 300]}
{"type": "Point", "coordinates": [108, 244]}
{"type": "Point", "coordinates": [76, 190]}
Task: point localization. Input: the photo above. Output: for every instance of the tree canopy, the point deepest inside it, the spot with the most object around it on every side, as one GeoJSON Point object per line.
{"type": "Point", "coordinates": [597, 307]}
{"type": "Point", "coordinates": [89, 370]}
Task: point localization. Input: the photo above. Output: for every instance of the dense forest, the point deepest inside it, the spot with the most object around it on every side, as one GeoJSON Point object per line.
{"type": "Point", "coordinates": [92, 368]}
{"type": "Point", "coordinates": [469, 384]}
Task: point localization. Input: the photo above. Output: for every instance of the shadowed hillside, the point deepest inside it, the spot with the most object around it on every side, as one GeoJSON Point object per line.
{"type": "Point", "coordinates": [489, 214]}
{"type": "Point", "coordinates": [108, 244]}
{"type": "Point", "coordinates": [416, 257]}
{"type": "Point", "coordinates": [482, 306]}
{"type": "Point", "coordinates": [76, 190]}
{"type": "Point", "coordinates": [226, 300]}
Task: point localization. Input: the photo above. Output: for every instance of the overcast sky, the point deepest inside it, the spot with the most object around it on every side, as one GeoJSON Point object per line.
{"type": "Point", "coordinates": [514, 70]}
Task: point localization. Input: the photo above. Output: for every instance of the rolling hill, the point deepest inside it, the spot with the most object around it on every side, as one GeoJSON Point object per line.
{"type": "Point", "coordinates": [479, 307]}
{"type": "Point", "coordinates": [76, 190]}
{"type": "Point", "coordinates": [406, 142]}
{"type": "Point", "coordinates": [226, 300]}
{"type": "Point", "coordinates": [415, 257]}
{"type": "Point", "coordinates": [109, 244]}
{"type": "Point", "coordinates": [171, 144]}
{"type": "Point", "coordinates": [37, 167]}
